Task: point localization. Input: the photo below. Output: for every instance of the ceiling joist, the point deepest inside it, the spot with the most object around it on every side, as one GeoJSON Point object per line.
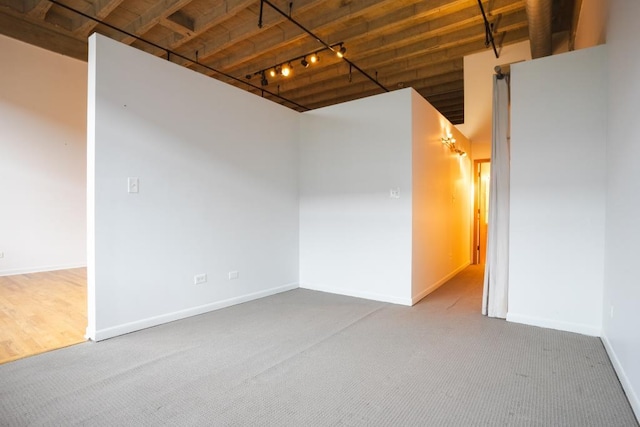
{"type": "Point", "coordinates": [399, 43]}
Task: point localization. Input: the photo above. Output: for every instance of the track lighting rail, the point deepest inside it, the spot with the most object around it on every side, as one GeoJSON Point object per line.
{"type": "Point", "coordinates": [318, 39]}
{"type": "Point", "coordinates": [177, 55]}
{"type": "Point", "coordinates": [314, 57]}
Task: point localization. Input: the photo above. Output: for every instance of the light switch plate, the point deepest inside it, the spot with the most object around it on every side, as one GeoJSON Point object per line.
{"type": "Point", "coordinates": [133, 184]}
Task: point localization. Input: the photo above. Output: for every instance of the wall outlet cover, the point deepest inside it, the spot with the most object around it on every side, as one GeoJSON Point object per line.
{"type": "Point", "coordinates": [199, 279]}
{"type": "Point", "coordinates": [233, 275]}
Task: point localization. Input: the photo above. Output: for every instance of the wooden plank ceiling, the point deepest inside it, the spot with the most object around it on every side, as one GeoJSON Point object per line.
{"type": "Point", "coordinates": [398, 43]}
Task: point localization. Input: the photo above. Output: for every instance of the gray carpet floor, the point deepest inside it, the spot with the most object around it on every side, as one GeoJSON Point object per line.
{"type": "Point", "coordinates": [305, 358]}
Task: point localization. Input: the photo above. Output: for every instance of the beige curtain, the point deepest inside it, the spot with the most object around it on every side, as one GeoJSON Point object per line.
{"type": "Point", "coordinates": [496, 274]}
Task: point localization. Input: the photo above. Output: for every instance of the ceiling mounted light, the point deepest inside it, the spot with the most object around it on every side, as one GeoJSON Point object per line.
{"type": "Point", "coordinates": [286, 70]}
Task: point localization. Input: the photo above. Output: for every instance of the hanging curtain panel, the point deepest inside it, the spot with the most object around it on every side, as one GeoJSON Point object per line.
{"type": "Point", "coordinates": [496, 274]}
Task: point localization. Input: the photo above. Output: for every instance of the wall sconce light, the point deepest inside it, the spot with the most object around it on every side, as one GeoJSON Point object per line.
{"type": "Point", "coordinates": [450, 142]}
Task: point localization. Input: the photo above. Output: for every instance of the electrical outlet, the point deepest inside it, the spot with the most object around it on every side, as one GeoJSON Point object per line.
{"type": "Point", "coordinates": [199, 279]}
{"type": "Point", "coordinates": [133, 184]}
{"type": "Point", "coordinates": [394, 193]}
{"type": "Point", "coordinates": [1, 254]}
{"type": "Point", "coordinates": [233, 275]}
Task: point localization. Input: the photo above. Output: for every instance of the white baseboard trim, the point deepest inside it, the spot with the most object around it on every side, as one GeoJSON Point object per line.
{"type": "Point", "coordinates": [41, 269]}
{"type": "Point", "coordinates": [622, 376]}
{"type": "Point", "coordinates": [578, 328]}
{"type": "Point", "coordinates": [359, 294]}
{"type": "Point", "coordinates": [114, 331]}
{"type": "Point", "coordinates": [415, 299]}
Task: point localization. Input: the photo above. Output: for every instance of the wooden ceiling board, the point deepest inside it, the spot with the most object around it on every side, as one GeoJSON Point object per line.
{"type": "Point", "coordinates": [408, 43]}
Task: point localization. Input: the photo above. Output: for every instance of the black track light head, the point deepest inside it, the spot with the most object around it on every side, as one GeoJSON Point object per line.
{"type": "Point", "coordinates": [304, 62]}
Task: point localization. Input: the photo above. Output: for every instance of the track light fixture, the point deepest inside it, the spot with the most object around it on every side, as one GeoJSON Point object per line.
{"type": "Point", "coordinates": [285, 68]}
{"type": "Point", "coordinates": [264, 81]}
{"type": "Point", "coordinates": [326, 45]}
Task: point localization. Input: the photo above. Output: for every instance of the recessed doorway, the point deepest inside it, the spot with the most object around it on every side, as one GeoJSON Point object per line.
{"type": "Point", "coordinates": [482, 171]}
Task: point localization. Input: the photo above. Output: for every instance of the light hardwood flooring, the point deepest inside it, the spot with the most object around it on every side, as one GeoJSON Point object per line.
{"type": "Point", "coordinates": [41, 312]}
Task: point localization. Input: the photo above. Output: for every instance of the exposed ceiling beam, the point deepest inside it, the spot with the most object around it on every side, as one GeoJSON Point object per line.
{"type": "Point", "coordinates": [100, 10]}
{"type": "Point", "coordinates": [41, 36]}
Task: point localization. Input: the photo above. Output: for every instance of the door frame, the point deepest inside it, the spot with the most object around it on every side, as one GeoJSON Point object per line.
{"type": "Point", "coordinates": [476, 208]}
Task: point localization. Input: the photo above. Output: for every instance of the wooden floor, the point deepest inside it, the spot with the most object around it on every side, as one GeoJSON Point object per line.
{"type": "Point", "coordinates": [41, 312]}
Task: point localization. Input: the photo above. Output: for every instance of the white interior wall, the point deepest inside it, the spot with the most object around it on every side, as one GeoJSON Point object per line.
{"type": "Point", "coordinates": [478, 94]}
{"type": "Point", "coordinates": [218, 192]}
{"type": "Point", "coordinates": [441, 208]}
{"type": "Point", "coordinates": [558, 186]}
{"type": "Point", "coordinates": [43, 98]}
{"type": "Point", "coordinates": [354, 238]}
{"type": "Point", "coordinates": [621, 289]}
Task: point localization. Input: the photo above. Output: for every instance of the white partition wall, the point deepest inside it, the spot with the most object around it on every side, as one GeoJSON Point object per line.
{"type": "Point", "coordinates": [355, 238]}
{"type": "Point", "coordinates": [43, 102]}
{"type": "Point", "coordinates": [384, 205]}
{"type": "Point", "coordinates": [621, 288]}
{"type": "Point", "coordinates": [216, 192]}
{"type": "Point", "coordinates": [558, 176]}
{"type": "Point", "coordinates": [191, 177]}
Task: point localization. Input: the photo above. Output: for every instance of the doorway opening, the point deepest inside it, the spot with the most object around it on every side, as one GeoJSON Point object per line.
{"type": "Point", "coordinates": [42, 311]}
{"type": "Point", "coordinates": [482, 170]}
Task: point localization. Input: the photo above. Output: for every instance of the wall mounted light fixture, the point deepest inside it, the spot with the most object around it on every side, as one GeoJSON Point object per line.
{"type": "Point", "coordinates": [450, 142]}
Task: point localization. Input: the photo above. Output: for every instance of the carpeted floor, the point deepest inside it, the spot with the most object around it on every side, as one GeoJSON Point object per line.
{"type": "Point", "coordinates": [305, 358]}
